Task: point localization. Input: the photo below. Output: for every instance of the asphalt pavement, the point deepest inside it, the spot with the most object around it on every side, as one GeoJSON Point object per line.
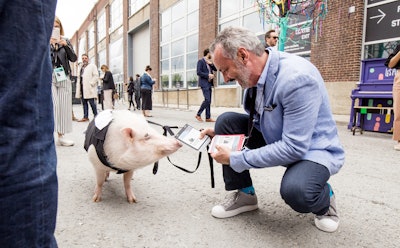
{"type": "Point", "coordinates": [173, 208]}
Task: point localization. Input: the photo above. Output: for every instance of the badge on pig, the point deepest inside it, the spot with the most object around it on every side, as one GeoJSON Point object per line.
{"type": "Point", "coordinates": [123, 141]}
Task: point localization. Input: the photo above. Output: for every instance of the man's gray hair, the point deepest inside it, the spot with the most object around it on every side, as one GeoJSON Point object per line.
{"type": "Point", "coordinates": [232, 38]}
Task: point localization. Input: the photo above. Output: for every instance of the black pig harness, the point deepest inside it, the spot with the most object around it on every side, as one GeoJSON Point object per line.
{"type": "Point", "coordinates": [96, 137]}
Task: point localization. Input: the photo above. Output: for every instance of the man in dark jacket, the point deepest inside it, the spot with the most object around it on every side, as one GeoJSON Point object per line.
{"type": "Point", "coordinates": [205, 69]}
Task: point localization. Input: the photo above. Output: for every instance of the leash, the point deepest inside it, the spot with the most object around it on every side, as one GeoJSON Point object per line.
{"type": "Point", "coordinates": [168, 130]}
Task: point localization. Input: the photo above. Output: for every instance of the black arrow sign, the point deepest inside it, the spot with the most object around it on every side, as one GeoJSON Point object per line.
{"type": "Point", "coordinates": [383, 22]}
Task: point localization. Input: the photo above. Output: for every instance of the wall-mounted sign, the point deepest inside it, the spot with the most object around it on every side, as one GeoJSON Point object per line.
{"type": "Point", "coordinates": [383, 21]}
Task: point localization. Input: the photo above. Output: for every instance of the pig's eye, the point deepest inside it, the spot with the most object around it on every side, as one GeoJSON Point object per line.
{"type": "Point", "coordinates": [147, 136]}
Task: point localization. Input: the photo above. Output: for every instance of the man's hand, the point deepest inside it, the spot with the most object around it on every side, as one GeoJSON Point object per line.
{"type": "Point", "coordinates": [222, 154]}
{"type": "Point", "coordinates": [208, 131]}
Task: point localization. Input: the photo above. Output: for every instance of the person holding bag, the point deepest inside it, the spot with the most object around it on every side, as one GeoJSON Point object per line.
{"type": "Point", "coordinates": [108, 87]}
{"type": "Point", "coordinates": [62, 53]}
{"type": "Point", "coordinates": [393, 61]}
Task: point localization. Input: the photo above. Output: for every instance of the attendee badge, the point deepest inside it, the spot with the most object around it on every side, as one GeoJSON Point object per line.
{"type": "Point", "coordinates": [60, 74]}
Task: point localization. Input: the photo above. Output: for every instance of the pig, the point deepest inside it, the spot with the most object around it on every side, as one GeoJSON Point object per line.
{"type": "Point", "coordinates": [127, 142]}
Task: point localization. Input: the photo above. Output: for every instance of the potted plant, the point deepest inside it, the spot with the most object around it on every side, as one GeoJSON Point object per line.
{"type": "Point", "coordinates": [177, 80]}
{"type": "Point", "coordinates": [164, 81]}
{"type": "Point", "coordinates": [193, 81]}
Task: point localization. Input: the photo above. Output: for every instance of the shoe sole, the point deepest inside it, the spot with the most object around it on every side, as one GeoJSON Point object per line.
{"type": "Point", "coordinates": [326, 228]}
{"type": "Point", "coordinates": [231, 213]}
{"type": "Point", "coordinates": [63, 144]}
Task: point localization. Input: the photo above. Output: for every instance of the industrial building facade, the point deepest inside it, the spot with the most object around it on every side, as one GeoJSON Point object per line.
{"type": "Point", "coordinates": [170, 35]}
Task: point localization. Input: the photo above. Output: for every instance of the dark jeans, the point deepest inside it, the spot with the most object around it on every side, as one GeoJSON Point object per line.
{"type": "Point", "coordinates": [28, 179]}
{"type": "Point", "coordinates": [137, 100]}
{"type": "Point", "coordinates": [304, 185]}
{"type": "Point", "coordinates": [130, 99]}
{"type": "Point", "coordinates": [206, 104]}
{"type": "Point", "coordinates": [86, 107]}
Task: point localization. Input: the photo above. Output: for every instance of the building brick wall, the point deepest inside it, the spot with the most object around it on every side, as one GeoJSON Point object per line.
{"type": "Point", "coordinates": [208, 23]}
{"type": "Point", "coordinates": [337, 50]}
{"type": "Point", "coordinates": [155, 39]}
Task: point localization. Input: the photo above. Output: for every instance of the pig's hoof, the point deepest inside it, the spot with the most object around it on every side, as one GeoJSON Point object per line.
{"type": "Point", "coordinates": [96, 198]}
{"type": "Point", "coordinates": [131, 200]}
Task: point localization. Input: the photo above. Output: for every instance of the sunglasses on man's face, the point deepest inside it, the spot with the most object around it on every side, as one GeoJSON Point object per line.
{"type": "Point", "coordinates": [275, 37]}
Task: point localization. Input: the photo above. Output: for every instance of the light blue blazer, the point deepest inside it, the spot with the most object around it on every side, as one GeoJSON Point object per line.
{"type": "Point", "coordinates": [294, 117]}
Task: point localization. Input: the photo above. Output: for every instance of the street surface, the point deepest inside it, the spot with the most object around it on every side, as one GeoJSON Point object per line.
{"type": "Point", "coordinates": [173, 208]}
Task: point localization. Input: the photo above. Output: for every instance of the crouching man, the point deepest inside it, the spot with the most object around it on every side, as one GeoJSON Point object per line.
{"type": "Point", "coordinates": [290, 125]}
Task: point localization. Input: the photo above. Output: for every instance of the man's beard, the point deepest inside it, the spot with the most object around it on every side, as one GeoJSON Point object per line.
{"type": "Point", "coordinates": [244, 75]}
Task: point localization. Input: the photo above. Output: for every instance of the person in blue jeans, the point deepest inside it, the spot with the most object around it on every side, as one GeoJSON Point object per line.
{"type": "Point", "coordinates": [28, 179]}
{"type": "Point", "coordinates": [205, 71]}
{"type": "Point", "coordinates": [289, 123]}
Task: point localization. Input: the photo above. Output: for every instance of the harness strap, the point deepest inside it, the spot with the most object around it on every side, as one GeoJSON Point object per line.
{"type": "Point", "coordinates": [167, 129]}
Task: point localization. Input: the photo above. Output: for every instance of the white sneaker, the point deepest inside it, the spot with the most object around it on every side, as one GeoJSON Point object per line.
{"type": "Point", "coordinates": [397, 147]}
{"type": "Point", "coordinates": [236, 203]}
{"type": "Point", "coordinates": [64, 142]}
{"type": "Point", "coordinates": [329, 222]}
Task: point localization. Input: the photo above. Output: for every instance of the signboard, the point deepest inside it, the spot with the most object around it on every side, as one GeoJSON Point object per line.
{"type": "Point", "coordinates": [374, 1]}
{"type": "Point", "coordinates": [383, 22]}
{"type": "Point", "coordinates": [298, 38]}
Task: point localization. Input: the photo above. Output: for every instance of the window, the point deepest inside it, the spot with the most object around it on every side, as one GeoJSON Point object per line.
{"type": "Point", "coordinates": [179, 45]}
{"type": "Point", "coordinates": [91, 37]}
{"type": "Point", "coordinates": [101, 27]}
{"type": "Point", "coordinates": [82, 46]}
{"type": "Point", "coordinates": [115, 15]}
{"type": "Point", "coordinates": [240, 13]}
{"type": "Point", "coordinates": [380, 50]}
{"type": "Point", "coordinates": [102, 58]}
{"type": "Point", "coordinates": [116, 60]}
{"type": "Point", "coordinates": [135, 5]}
{"type": "Point", "coordinates": [228, 7]}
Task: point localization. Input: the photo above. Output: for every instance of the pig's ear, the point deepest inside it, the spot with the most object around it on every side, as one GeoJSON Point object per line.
{"type": "Point", "coordinates": [128, 133]}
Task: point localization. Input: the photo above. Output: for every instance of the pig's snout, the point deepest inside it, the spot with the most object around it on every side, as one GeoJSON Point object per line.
{"type": "Point", "coordinates": [171, 145]}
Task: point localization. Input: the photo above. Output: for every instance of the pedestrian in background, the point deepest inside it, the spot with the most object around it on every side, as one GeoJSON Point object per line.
{"type": "Point", "coordinates": [290, 124]}
{"type": "Point", "coordinates": [28, 184]}
{"type": "Point", "coordinates": [205, 71]}
{"type": "Point", "coordinates": [393, 61]}
{"type": "Point", "coordinates": [86, 87]}
{"type": "Point", "coordinates": [131, 91]}
{"type": "Point", "coordinates": [146, 91]}
{"type": "Point", "coordinates": [137, 92]}
{"type": "Point", "coordinates": [271, 38]}
{"type": "Point", "coordinates": [62, 53]}
{"type": "Point", "coordinates": [108, 87]}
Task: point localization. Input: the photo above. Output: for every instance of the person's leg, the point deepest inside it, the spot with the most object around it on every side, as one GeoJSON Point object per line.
{"type": "Point", "coordinates": [56, 104]}
{"type": "Point", "coordinates": [93, 106]}
{"type": "Point", "coordinates": [62, 100]}
{"type": "Point", "coordinates": [108, 102]}
{"type": "Point", "coordinates": [207, 99]}
{"type": "Point", "coordinates": [205, 103]}
{"type": "Point", "coordinates": [137, 99]}
{"type": "Point", "coordinates": [305, 189]}
{"type": "Point", "coordinates": [244, 199]}
{"type": "Point", "coordinates": [235, 123]}
{"type": "Point", "coordinates": [396, 110]}
{"type": "Point", "coordinates": [28, 185]}
{"type": "Point", "coordinates": [85, 108]}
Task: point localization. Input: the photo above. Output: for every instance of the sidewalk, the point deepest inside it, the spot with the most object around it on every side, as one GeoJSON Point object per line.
{"type": "Point", "coordinates": [173, 208]}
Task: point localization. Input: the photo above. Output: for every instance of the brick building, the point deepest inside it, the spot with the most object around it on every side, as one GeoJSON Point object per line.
{"type": "Point", "coordinates": [170, 35]}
